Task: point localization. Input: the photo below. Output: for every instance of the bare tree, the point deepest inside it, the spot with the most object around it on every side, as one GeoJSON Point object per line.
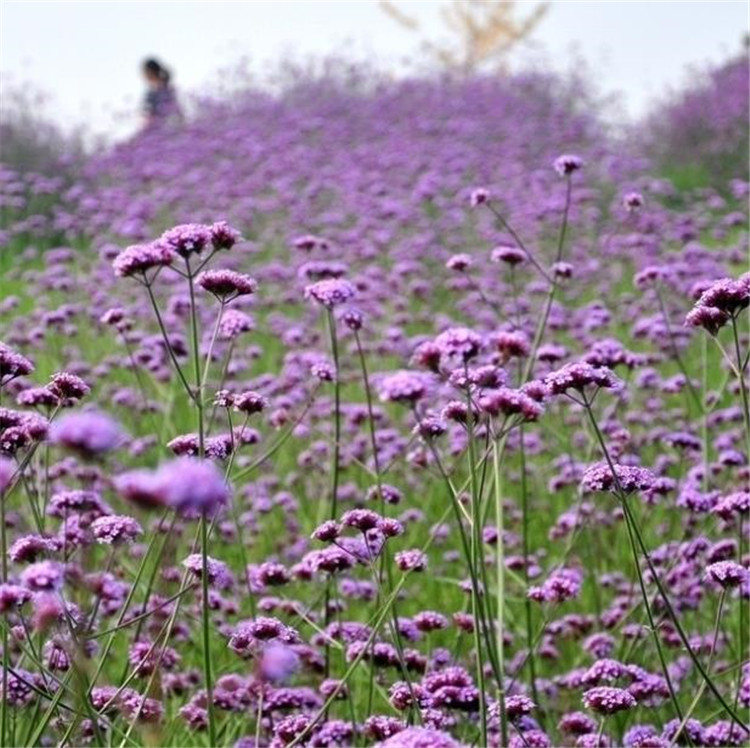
{"type": "Point", "coordinates": [483, 31]}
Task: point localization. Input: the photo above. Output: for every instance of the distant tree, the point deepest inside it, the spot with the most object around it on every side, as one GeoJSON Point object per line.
{"type": "Point", "coordinates": [483, 31]}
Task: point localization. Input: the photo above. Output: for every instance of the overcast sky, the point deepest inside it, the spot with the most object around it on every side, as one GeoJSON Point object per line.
{"type": "Point", "coordinates": [87, 54]}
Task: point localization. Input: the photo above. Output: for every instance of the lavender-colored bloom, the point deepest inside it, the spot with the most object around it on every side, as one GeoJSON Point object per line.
{"type": "Point", "coordinates": [561, 585]}
{"type": "Point", "coordinates": [719, 303]}
{"type": "Point", "coordinates": [508, 254]}
{"type": "Point", "coordinates": [250, 402]}
{"type": "Point", "coordinates": [43, 576]}
{"type": "Point", "coordinates": [460, 342]}
{"type": "Point", "coordinates": [38, 397]}
{"type": "Point", "coordinates": [608, 700]}
{"type": "Point", "coordinates": [68, 387]}
{"type": "Point", "coordinates": [579, 376]}
{"type": "Point", "coordinates": [140, 258]}
{"type": "Point", "coordinates": [632, 201]}
{"type": "Point", "coordinates": [13, 596]}
{"type": "Point", "coordinates": [233, 323]}
{"type": "Point", "coordinates": [727, 573]}
{"type": "Point", "coordinates": [223, 236]}
{"type": "Point", "coordinates": [217, 572]}
{"type": "Point", "coordinates": [628, 478]}
{"type": "Point", "coordinates": [29, 547]}
{"type": "Point", "coordinates": [420, 737]}
{"type": "Point", "coordinates": [404, 387]}
{"type": "Point", "coordinates": [226, 284]}
{"type": "Point", "coordinates": [459, 262]}
{"type": "Point", "coordinates": [13, 364]}
{"type": "Point", "coordinates": [411, 560]}
{"type": "Point", "coordinates": [278, 663]}
{"type": "Point", "coordinates": [7, 470]}
{"type": "Point", "coordinates": [643, 736]}
{"type": "Point", "coordinates": [192, 485]}
{"type": "Point", "coordinates": [142, 487]}
{"type": "Point", "coordinates": [479, 196]}
{"type": "Point", "coordinates": [91, 433]}
{"type": "Point", "coordinates": [733, 504]}
{"type": "Point", "coordinates": [331, 292]}
{"type": "Point", "coordinates": [567, 164]}
{"type": "Point", "coordinates": [187, 239]}
{"type": "Point", "coordinates": [114, 529]}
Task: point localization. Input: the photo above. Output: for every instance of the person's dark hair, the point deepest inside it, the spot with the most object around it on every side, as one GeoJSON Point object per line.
{"type": "Point", "coordinates": [153, 66]}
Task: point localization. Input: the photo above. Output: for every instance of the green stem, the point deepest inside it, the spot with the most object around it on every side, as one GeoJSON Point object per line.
{"type": "Point", "coordinates": [631, 523]}
{"type": "Point", "coordinates": [500, 591]}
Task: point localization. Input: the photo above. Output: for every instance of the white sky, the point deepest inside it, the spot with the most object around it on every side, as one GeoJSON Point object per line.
{"type": "Point", "coordinates": [87, 54]}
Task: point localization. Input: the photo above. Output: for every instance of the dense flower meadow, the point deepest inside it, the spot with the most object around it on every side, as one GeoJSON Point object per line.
{"type": "Point", "coordinates": [412, 415]}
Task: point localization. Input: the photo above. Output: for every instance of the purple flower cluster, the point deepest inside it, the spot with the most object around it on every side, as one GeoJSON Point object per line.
{"type": "Point", "coordinates": [284, 519]}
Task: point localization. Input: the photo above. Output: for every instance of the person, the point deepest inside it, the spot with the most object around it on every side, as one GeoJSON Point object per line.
{"type": "Point", "coordinates": [160, 102]}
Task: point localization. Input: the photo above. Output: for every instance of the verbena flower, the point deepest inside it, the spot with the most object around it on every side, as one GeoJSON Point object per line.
{"type": "Point", "coordinates": [91, 433]}
{"type": "Point", "coordinates": [629, 478]}
{"type": "Point", "coordinates": [567, 164]}
{"type": "Point", "coordinates": [187, 239]}
{"type": "Point", "coordinates": [138, 259]}
{"type": "Point", "coordinates": [226, 284]}
{"type": "Point", "coordinates": [331, 292]}
{"type": "Point", "coordinates": [113, 529]}
{"type": "Point", "coordinates": [608, 700]}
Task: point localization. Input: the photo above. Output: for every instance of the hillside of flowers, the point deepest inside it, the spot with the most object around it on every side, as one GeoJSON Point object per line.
{"type": "Point", "coordinates": [410, 415]}
{"type": "Point", "coordinates": [700, 134]}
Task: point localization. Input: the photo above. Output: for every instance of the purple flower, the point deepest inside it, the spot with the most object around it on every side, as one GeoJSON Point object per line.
{"type": "Point", "coordinates": [250, 402]}
{"type": "Point", "coordinates": [411, 560]}
{"type": "Point", "coordinates": [68, 387]}
{"type": "Point", "coordinates": [187, 239]}
{"type": "Point", "coordinates": [727, 573]}
{"type": "Point", "coordinates": [331, 292]}
{"type": "Point", "coordinates": [629, 478]}
{"type": "Point", "coordinates": [43, 576]}
{"type": "Point", "coordinates": [459, 262]}
{"type": "Point", "coordinates": [508, 254]}
{"type": "Point", "coordinates": [91, 433]}
{"type": "Point", "coordinates": [420, 737]}
{"type": "Point", "coordinates": [142, 487]}
{"type": "Point", "coordinates": [13, 596]}
{"type": "Point", "coordinates": [140, 258]}
{"type": "Point", "coordinates": [7, 471]}
{"type": "Point", "coordinates": [720, 303]}
{"type": "Point", "coordinates": [191, 485]}
{"type": "Point", "coordinates": [460, 342]}
{"type": "Point", "coordinates": [632, 201]}
{"type": "Point", "coordinates": [567, 164]}
{"type": "Point", "coordinates": [114, 529]}
{"type": "Point", "coordinates": [579, 376]}
{"type": "Point", "coordinates": [403, 387]}
{"type": "Point", "coordinates": [226, 284]}
{"type": "Point", "coordinates": [479, 196]}
{"type": "Point", "coordinates": [234, 323]}
{"type": "Point", "coordinates": [223, 236]}
{"type": "Point", "coordinates": [218, 573]}
{"type": "Point", "coordinates": [13, 364]}
{"type": "Point", "coordinates": [277, 663]}
{"type": "Point", "coordinates": [608, 700]}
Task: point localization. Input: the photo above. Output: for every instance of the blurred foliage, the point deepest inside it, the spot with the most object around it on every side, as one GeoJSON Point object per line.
{"type": "Point", "coordinates": [699, 136]}
{"type": "Point", "coordinates": [29, 140]}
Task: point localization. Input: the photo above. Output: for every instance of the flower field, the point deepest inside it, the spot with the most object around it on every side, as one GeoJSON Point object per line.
{"type": "Point", "coordinates": [412, 415]}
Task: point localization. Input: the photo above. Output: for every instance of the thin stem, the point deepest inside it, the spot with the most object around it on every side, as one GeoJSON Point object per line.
{"type": "Point", "coordinates": [526, 554]}
{"type": "Point", "coordinates": [210, 352]}
{"type": "Point", "coordinates": [631, 523]}
{"type": "Point", "coordinates": [168, 345]}
{"type": "Point", "coordinates": [207, 634]}
{"type": "Point", "coordinates": [500, 591]}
